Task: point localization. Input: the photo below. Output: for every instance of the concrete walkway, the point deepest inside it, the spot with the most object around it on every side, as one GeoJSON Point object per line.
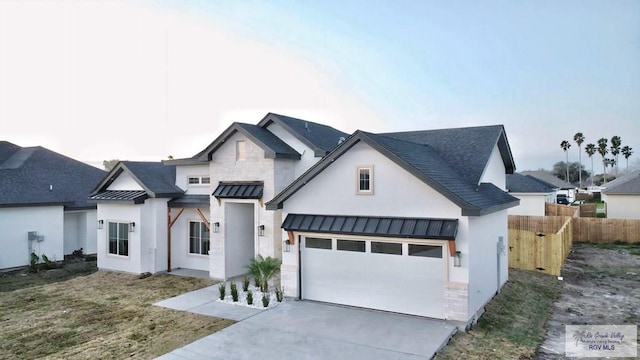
{"type": "Point", "coordinates": [308, 330]}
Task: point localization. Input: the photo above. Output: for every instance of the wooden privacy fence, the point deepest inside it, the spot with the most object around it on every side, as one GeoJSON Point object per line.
{"type": "Point", "coordinates": [588, 210]}
{"type": "Point", "coordinates": [606, 230]}
{"type": "Point", "coordinates": [539, 243]}
{"type": "Point", "coordinates": [561, 210]}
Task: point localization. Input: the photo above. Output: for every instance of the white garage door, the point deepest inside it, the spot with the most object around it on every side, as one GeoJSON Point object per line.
{"type": "Point", "coordinates": [405, 277]}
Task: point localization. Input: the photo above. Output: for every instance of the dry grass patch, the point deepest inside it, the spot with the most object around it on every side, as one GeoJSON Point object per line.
{"type": "Point", "coordinates": [513, 325]}
{"type": "Point", "coordinates": [101, 315]}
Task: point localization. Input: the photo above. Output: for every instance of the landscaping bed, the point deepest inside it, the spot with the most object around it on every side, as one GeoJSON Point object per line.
{"type": "Point", "coordinates": [96, 316]}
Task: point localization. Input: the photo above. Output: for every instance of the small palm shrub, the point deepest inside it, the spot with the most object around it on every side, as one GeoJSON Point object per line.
{"type": "Point", "coordinates": [245, 283]}
{"type": "Point", "coordinates": [234, 292]}
{"type": "Point", "coordinates": [263, 269]}
{"type": "Point", "coordinates": [265, 299]}
{"type": "Point", "coordinates": [250, 297]}
{"type": "Point", "coordinates": [222, 290]}
{"type": "Point", "coordinates": [279, 293]}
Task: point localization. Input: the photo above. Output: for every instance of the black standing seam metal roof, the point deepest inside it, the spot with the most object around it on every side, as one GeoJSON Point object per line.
{"type": "Point", "coordinates": [190, 201]}
{"type": "Point", "coordinates": [137, 196]}
{"type": "Point", "coordinates": [239, 190]}
{"type": "Point", "coordinates": [36, 176]}
{"type": "Point", "coordinates": [417, 228]}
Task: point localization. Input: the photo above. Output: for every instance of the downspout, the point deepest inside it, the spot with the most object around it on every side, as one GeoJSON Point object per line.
{"type": "Point", "coordinates": [168, 239]}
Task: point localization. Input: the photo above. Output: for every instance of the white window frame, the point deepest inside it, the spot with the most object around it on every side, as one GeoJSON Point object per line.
{"type": "Point", "coordinates": [201, 180]}
{"type": "Point", "coordinates": [118, 238]}
{"type": "Point", "coordinates": [359, 190]}
{"type": "Point", "coordinates": [241, 150]}
{"type": "Point", "coordinates": [199, 238]}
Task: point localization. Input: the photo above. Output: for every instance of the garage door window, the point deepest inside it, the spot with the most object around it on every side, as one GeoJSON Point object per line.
{"type": "Point", "coordinates": [351, 245]}
{"type": "Point", "coordinates": [425, 250]}
{"type": "Point", "coordinates": [386, 248]}
{"type": "Point", "coordinates": [318, 243]}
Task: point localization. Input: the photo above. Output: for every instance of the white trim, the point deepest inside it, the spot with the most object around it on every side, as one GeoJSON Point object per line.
{"type": "Point", "coordinates": [359, 191]}
{"type": "Point", "coordinates": [106, 230]}
{"type": "Point", "coordinates": [200, 182]}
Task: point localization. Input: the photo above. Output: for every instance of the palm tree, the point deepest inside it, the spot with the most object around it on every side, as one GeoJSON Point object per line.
{"type": "Point", "coordinates": [627, 152]}
{"type": "Point", "coordinates": [591, 150]}
{"type": "Point", "coordinates": [603, 150]}
{"type": "Point", "coordinates": [610, 162]}
{"type": "Point", "coordinates": [616, 142]}
{"type": "Point", "coordinates": [565, 145]}
{"type": "Point", "coordinates": [579, 139]}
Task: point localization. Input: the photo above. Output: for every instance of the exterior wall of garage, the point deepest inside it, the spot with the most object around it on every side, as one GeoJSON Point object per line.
{"type": "Point", "coordinates": [488, 271]}
{"type": "Point", "coordinates": [395, 193]}
{"type": "Point", "coordinates": [622, 206]}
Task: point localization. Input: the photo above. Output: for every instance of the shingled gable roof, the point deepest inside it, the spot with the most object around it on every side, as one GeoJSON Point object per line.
{"type": "Point", "coordinates": [36, 176]}
{"type": "Point", "coordinates": [272, 145]}
{"type": "Point", "coordinates": [426, 164]}
{"type": "Point", "coordinates": [155, 178]}
{"type": "Point", "coordinates": [518, 183]}
{"type": "Point", "coordinates": [321, 138]}
{"type": "Point", "coordinates": [549, 178]}
{"type": "Point", "coordinates": [631, 186]}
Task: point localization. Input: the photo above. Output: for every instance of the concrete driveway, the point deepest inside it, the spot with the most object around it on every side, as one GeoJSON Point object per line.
{"type": "Point", "coordinates": [310, 330]}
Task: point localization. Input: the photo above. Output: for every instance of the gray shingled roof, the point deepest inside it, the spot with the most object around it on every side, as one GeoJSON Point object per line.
{"type": "Point", "coordinates": [157, 179]}
{"type": "Point", "coordinates": [37, 176]}
{"type": "Point", "coordinates": [321, 138]}
{"type": "Point", "coordinates": [518, 183]}
{"type": "Point", "coordinates": [549, 178]}
{"type": "Point", "coordinates": [418, 228]}
{"type": "Point", "coordinates": [466, 150]}
{"type": "Point", "coordinates": [630, 187]}
{"type": "Point", "coordinates": [272, 145]}
{"type": "Point", "coordinates": [621, 179]}
{"type": "Point", "coordinates": [431, 165]}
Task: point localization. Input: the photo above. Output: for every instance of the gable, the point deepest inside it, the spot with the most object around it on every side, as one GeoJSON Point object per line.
{"type": "Point", "coordinates": [422, 162]}
{"type": "Point", "coordinates": [394, 190]}
{"type": "Point", "coordinates": [124, 181]}
{"type": "Point", "coordinates": [495, 172]}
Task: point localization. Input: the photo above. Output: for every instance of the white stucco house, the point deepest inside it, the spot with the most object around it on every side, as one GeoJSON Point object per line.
{"type": "Point", "coordinates": [409, 222]}
{"type": "Point", "coordinates": [207, 212]}
{"type": "Point", "coordinates": [43, 205]}
{"type": "Point", "coordinates": [562, 187]}
{"type": "Point", "coordinates": [532, 192]}
{"type": "Point", "coordinates": [622, 197]}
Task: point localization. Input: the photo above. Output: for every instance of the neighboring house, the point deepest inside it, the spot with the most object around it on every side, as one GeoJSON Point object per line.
{"type": "Point", "coordinates": [409, 222]}
{"type": "Point", "coordinates": [563, 187]}
{"type": "Point", "coordinates": [622, 197]}
{"type": "Point", "coordinates": [43, 206]}
{"type": "Point", "coordinates": [532, 192]}
{"type": "Point", "coordinates": [212, 203]}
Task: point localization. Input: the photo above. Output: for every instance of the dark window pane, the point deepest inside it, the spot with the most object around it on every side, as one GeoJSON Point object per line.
{"type": "Point", "coordinates": [425, 250]}
{"type": "Point", "coordinates": [123, 247]}
{"type": "Point", "coordinates": [364, 179]}
{"type": "Point", "coordinates": [386, 248]}
{"type": "Point", "coordinates": [206, 180]}
{"type": "Point", "coordinates": [194, 180]}
{"type": "Point", "coordinates": [351, 245]}
{"type": "Point", "coordinates": [318, 243]}
{"type": "Point", "coordinates": [113, 238]}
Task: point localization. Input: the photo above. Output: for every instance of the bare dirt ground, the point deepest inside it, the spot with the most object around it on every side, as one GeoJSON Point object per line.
{"type": "Point", "coordinates": [601, 287]}
{"type": "Point", "coordinates": [103, 315]}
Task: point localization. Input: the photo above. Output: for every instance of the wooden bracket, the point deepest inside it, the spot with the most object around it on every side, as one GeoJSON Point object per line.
{"type": "Point", "coordinates": [292, 238]}
{"type": "Point", "coordinates": [204, 219]}
{"type": "Point", "coordinates": [452, 247]}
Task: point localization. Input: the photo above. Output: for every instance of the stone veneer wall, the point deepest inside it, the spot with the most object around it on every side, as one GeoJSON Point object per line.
{"type": "Point", "coordinates": [456, 296]}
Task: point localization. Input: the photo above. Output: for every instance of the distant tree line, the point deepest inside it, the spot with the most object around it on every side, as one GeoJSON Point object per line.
{"type": "Point", "coordinates": [591, 149]}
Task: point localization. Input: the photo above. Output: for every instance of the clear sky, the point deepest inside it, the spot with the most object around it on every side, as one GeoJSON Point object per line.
{"type": "Point", "coordinates": [142, 80]}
